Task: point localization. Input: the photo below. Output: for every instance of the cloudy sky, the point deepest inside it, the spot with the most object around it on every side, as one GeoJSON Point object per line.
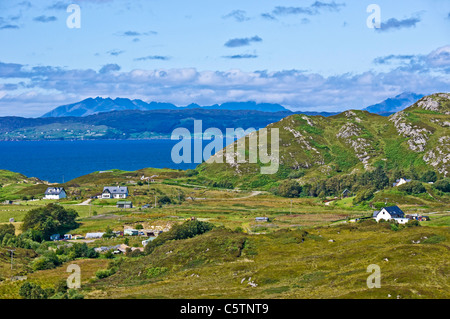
{"type": "Point", "coordinates": [305, 55]}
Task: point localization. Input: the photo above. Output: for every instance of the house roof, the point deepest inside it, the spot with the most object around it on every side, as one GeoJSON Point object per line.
{"type": "Point", "coordinates": [394, 211]}
{"type": "Point", "coordinates": [54, 190]}
{"type": "Point", "coordinates": [124, 203]}
{"type": "Point", "coordinates": [115, 189]}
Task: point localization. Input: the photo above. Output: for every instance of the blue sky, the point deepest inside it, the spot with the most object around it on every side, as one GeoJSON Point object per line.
{"type": "Point", "coordinates": [305, 55]}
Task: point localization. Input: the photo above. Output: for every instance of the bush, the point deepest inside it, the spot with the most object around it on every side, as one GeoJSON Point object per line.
{"type": "Point", "coordinates": [164, 200]}
{"type": "Point", "coordinates": [188, 229]}
{"type": "Point", "coordinates": [32, 291]}
{"type": "Point", "coordinates": [288, 189]}
{"type": "Point", "coordinates": [364, 195]}
{"type": "Point", "coordinates": [48, 261]}
{"type": "Point", "coordinates": [428, 176]}
{"type": "Point", "coordinates": [74, 294]}
{"type": "Point", "coordinates": [435, 239]}
{"type": "Point", "coordinates": [156, 271]}
{"type": "Point", "coordinates": [134, 253]}
{"type": "Point", "coordinates": [105, 273]}
{"type": "Point", "coordinates": [296, 174]}
{"type": "Point", "coordinates": [191, 172]}
{"type": "Point", "coordinates": [6, 229]}
{"type": "Point", "coordinates": [413, 187]}
{"type": "Point", "coordinates": [108, 233]}
{"type": "Point", "coordinates": [412, 223]}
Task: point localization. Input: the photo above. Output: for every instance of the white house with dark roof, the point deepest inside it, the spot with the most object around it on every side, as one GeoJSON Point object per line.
{"type": "Point", "coordinates": [55, 193]}
{"type": "Point", "coordinates": [389, 213]}
{"type": "Point", "coordinates": [401, 181]}
{"type": "Point", "coordinates": [115, 192]}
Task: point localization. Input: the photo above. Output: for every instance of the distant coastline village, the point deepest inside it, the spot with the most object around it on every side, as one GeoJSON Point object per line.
{"type": "Point", "coordinates": [109, 192]}
{"type": "Point", "coordinates": [121, 193]}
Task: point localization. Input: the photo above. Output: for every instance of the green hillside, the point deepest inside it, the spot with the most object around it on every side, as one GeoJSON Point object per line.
{"type": "Point", "coordinates": [314, 148]}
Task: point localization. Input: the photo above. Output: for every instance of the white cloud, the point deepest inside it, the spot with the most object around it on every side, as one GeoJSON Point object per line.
{"type": "Point", "coordinates": [50, 87]}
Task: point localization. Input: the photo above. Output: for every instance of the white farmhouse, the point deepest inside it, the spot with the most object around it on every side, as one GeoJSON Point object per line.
{"type": "Point", "coordinates": [389, 213]}
{"type": "Point", "coordinates": [55, 193]}
{"type": "Point", "coordinates": [401, 181]}
{"type": "Point", "coordinates": [115, 192]}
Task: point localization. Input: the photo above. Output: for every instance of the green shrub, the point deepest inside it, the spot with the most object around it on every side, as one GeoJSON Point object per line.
{"type": "Point", "coordinates": [428, 176]}
{"type": "Point", "coordinates": [156, 271]}
{"type": "Point", "coordinates": [6, 229]}
{"type": "Point", "coordinates": [289, 189]}
{"type": "Point", "coordinates": [442, 185]}
{"type": "Point", "coordinates": [188, 229]}
{"type": "Point", "coordinates": [31, 290]}
{"type": "Point", "coordinates": [413, 187]}
{"type": "Point", "coordinates": [105, 273]}
{"type": "Point", "coordinates": [435, 239]}
{"type": "Point", "coordinates": [49, 220]}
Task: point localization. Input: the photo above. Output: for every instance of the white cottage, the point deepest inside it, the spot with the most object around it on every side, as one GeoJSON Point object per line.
{"type": "Point", "coordinates": [401, 181]}
{"type": "Point", "coordinates": [389, 213]}
{"type": "Point", "coordinates": [55, 193]}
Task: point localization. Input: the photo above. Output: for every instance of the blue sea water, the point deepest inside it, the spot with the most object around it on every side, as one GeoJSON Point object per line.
{"type": "Point", "coordinates": [58, 161]}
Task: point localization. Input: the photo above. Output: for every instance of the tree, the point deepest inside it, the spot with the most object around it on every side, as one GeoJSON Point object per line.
{"type": "Point", "coordinates": [364, 195]}
{"type": "Point", "coordinates": [6, 229]}
{"type": "Point", "coordinates": [289, 189]}
{"type": "Point", "coordinates": [191, 172]}
{"type": "Point", "coordinates": [108, 233]}
{"type": "Point", "coordinates": [49, 220]}
{"type": "Point", "coordinates": [413, 187]}
{"type": "Point", "coordinates": [32, 291]}
{"type": "Point", "coordinates": [429, 176]}
{"type": "Point", "coordinates": [164, 200]}
{"type": "Point", "coordinates": [443, 185]}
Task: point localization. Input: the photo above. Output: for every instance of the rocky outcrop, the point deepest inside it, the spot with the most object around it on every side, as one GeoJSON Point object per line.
{"type": "Point", "coordinates": [417, 136]}
{"type": "Point", "coordinates": [350, 133]}
{"type": "Point", "coordinates": [439, 157]}
{"type": "Point", "coordinates": [432, 103]}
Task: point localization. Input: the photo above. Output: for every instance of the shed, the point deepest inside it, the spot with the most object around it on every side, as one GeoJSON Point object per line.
{"type": "Point", "coordinates": [130, 232]}
{"type": "Point", "coordinates": [124, 204]}
{"type": "Point", "coordinates": [345, 193]}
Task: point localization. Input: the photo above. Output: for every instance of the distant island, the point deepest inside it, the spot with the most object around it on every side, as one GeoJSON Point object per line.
{"type": "Point", "coordinates": [122, 118]}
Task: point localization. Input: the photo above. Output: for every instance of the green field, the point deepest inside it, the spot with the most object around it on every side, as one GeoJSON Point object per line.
{"type": "Point", "coordinates": [306, 250]}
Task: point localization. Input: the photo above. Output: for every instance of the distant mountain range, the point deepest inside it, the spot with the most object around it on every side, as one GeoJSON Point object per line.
{"type": "Point", "coordinates": [92, 106]}
{"type": "Point", "coordinates": [121, 118]}
{"type": "Point", "coordinates": [395, 104]}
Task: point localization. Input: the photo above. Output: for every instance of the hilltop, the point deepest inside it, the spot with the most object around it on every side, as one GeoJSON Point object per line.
{"type": "Point", "coordinates": [315, 147]}
{"type": "Point", "coordinates": [395, 104]}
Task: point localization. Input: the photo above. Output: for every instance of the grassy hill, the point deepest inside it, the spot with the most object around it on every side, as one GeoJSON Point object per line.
{"type": "Point", "coordinates": [324, 262]}
{"type": "Point", "coordinates": [317, 147]}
